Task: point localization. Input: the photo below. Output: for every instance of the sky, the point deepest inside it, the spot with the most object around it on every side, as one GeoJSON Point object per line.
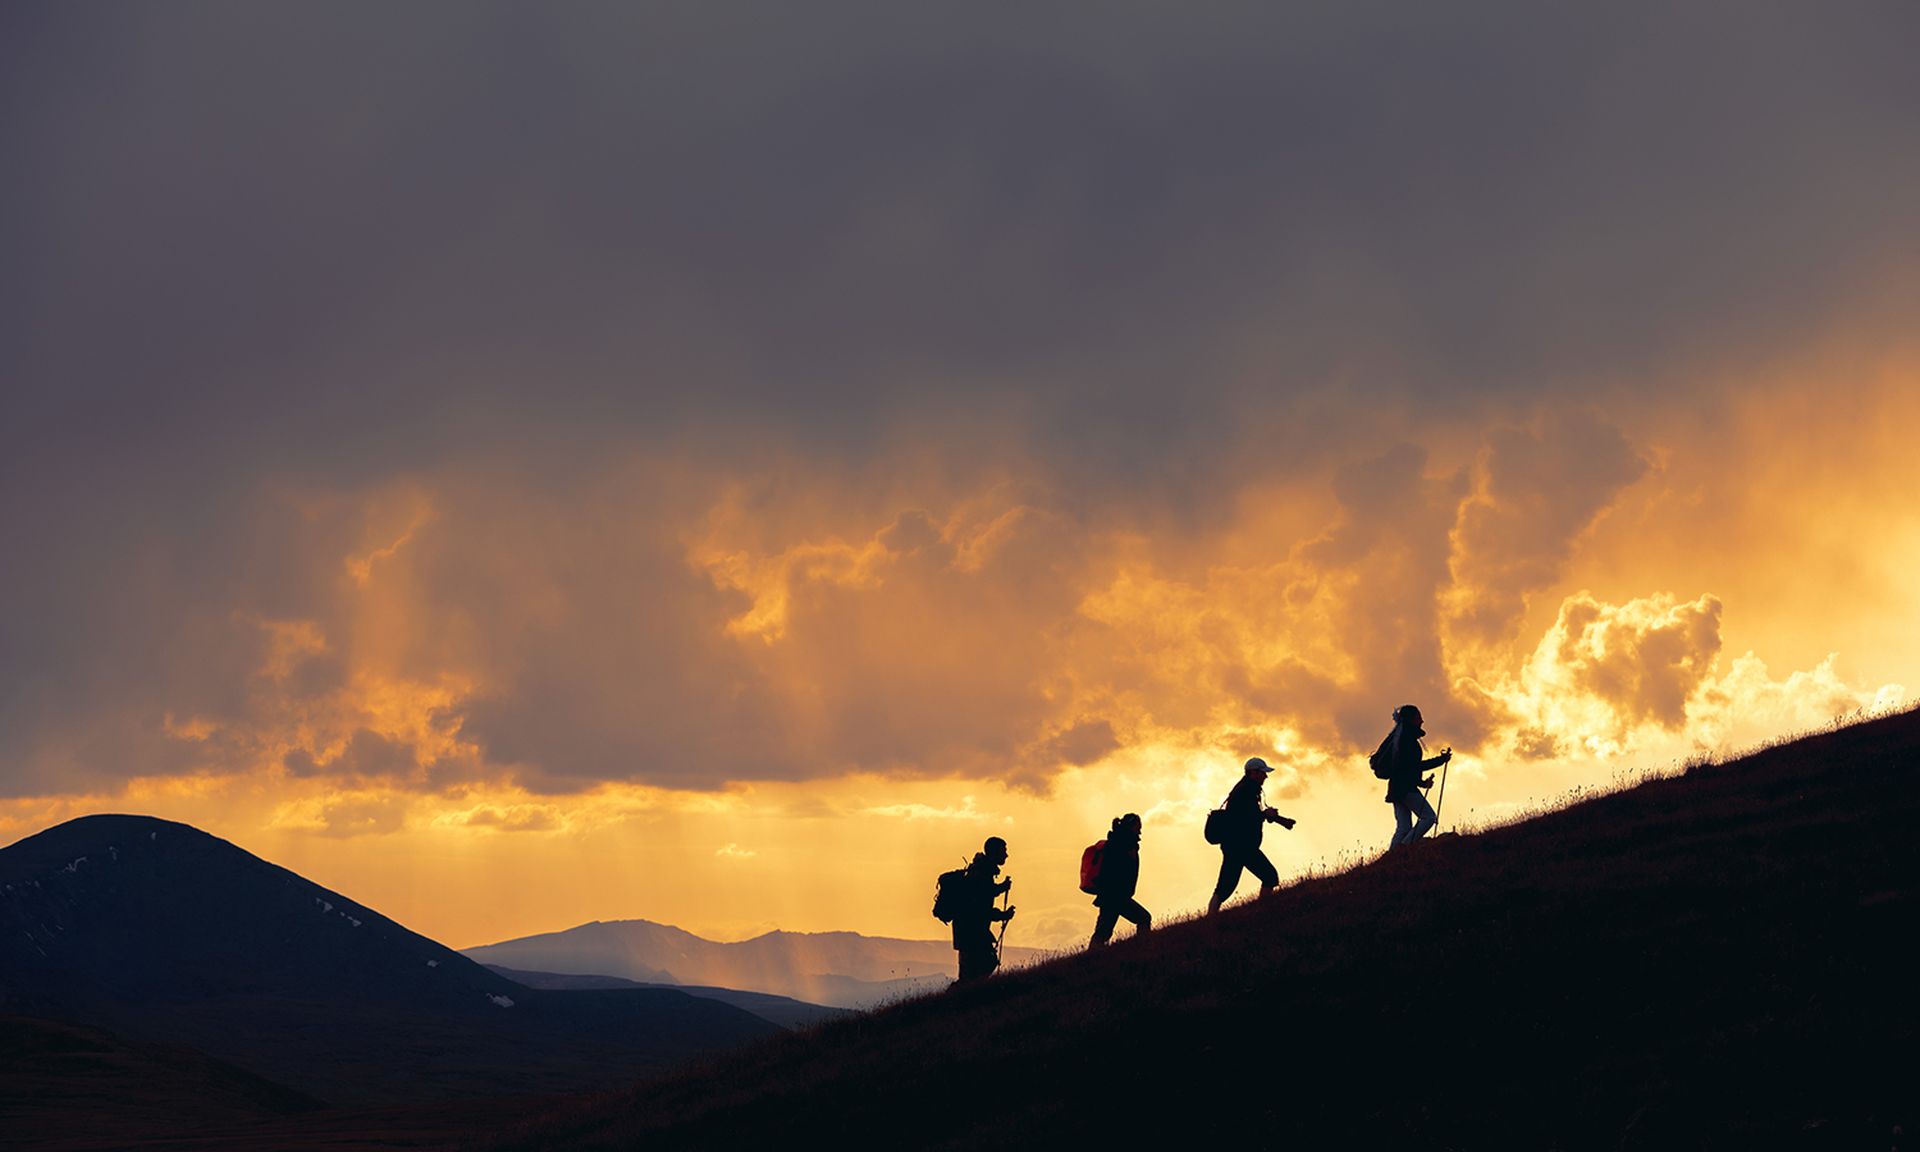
{"type": "Point", "coordinates": [718, 463]}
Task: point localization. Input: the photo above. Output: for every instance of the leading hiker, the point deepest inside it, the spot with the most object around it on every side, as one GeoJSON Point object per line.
{"type": "Point", "coordinates": [1407, 776]}
{"type": "Point", "coordinates": [1241, 823]}
{"type": "Point", "coordinates": [974, 914]}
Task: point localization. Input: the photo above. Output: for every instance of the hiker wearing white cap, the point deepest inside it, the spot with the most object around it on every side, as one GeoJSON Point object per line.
{"type": "Point", "coordinates": [1240, 823]}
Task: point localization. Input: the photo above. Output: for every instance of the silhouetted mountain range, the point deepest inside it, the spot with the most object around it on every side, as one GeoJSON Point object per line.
{"type": "Point", "coordinates": [163, 934]}
{"type": "Point", "coordinates": [844, 969]}
{"type": "Point", "coordinates": [1721, 960]}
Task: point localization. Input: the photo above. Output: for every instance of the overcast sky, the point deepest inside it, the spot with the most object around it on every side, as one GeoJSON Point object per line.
{"type": "Point", "coordinates": [436, 416]}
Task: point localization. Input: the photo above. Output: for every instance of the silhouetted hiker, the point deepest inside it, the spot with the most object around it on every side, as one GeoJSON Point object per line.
{"type": "Point", "coordinates": [1241, 823]}
{"type": "Point", "coordinates": [1405, 772]}
{"type": "Point", "coordinates": [1118, 876]}
{"type": "Point", "coordinates": [974, 914]}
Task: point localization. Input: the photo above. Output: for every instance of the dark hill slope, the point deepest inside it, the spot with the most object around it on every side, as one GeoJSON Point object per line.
{"type": "Point", "coordinates": [781, 1010]}
{"type": "Point", "coordinates": [57, 1076]}
{"type": "Point", "coordinates": [163, 934]}
{"type": "Point", "coordinates": [1720, 960]}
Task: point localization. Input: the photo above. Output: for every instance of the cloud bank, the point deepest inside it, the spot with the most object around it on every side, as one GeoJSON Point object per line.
{"type": "Point", "coordinates": [417, 399]}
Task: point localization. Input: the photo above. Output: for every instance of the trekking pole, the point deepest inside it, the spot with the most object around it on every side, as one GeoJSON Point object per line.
{"type": "Point", "coordinates": [1443, 792]}
{"type": "Point", "coordinates": [1000, 938]}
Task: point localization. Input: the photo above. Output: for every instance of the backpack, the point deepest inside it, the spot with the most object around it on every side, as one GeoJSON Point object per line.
{"type": "Point", "coordinates": [948, 894]}
{"type": "Point", "coordinates": [1090, 861]}
{"type": "Point", "coordinates": [1216, 829]}
{"type": "Point", "coordinates": [1382, 759]}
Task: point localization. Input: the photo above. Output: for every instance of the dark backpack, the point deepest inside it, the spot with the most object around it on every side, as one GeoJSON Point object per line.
{"type": "Point", "coordinates": [1382, 759]}
{"type": "Point", "coordinates": [949, 891]}
{"type": "Point", "coordinates": [1216, 829]}
{"type": "Point", "coordinates": [1090, 861]}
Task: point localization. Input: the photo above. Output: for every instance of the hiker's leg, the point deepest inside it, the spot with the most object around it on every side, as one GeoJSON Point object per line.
{"type": "Point", "coordinates": [1141, 919]}
{"type": "Point", "coordinates": [1402, 823]}
{"type": "Point", "coordinates": [1103, 927]}
{"type": "Point", "coordinates": [1264, 871]}
{"type": "Point", "coordinates": [976, 963]}
{"type": "Point", "coordinates": [1230, 865]}
{"type": "Point", "coordinates": [1424, 810]}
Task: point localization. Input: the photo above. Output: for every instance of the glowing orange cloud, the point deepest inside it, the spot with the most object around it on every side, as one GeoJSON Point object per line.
{"type": "Point", "coordinates": [751, 676]}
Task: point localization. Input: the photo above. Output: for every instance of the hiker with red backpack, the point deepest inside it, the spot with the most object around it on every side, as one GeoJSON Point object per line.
{"type": "Point", "coordinates": [1109, 871]}
{"type": "Point", "coordinates": [1237, 826]}
{"type": "Point", "coordinates": [964, 898]}
{"type": "Point", "coordinates": [1400, 763]}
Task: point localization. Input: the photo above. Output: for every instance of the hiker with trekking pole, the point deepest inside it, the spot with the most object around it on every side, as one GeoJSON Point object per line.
{"type": "Point", "coordinates": [1399, 761]}
{"type": "Point", "coordinates": [1237, 826]}
{"type": "Point", "coordinates": [964, 898]}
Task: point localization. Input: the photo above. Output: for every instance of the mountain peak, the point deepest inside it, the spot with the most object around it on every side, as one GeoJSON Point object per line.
{"type": "Point", "coordinates": [104, 827]}
{"type": "Point", "coordinates": [134, 907]}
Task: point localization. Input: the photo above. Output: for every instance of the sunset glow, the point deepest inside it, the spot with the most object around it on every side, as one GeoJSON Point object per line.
{"type": "Point", "coordinates": [703, 499]}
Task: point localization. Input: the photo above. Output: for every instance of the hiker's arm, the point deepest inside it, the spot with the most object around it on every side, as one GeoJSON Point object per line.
{"type": "Point", "coordinates": [1436, 761]}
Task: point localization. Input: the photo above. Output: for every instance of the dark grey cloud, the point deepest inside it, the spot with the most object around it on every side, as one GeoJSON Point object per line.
{"type": "Point", "coordinates": [368, 755]}
{"type": "Point", "coordinates": [248, 251]}
{"type": "Point", "coordinates": [256, 226]}
{"type": "Point", "coordinates": [1540, 488]}
{"type": "Point", "coordinates": [1394, 539]}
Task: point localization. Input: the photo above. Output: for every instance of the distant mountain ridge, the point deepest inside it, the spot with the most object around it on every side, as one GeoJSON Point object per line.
{"type": "Point", "coordinates": [842, 969]}
{"type": "Point", "coordinates": [164, 934]}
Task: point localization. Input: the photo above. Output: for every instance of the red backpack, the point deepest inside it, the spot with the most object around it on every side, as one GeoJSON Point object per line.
{"type": "Point", "coordinates": [1090, 862]}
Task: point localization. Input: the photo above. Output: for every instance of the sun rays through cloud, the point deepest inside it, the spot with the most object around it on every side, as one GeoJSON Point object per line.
{"type": "Point", "coordinates": [788, 455]}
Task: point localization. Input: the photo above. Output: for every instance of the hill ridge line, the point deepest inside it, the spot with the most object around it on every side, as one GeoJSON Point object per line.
{"type": "Point", "coordinates": [1709, 959]}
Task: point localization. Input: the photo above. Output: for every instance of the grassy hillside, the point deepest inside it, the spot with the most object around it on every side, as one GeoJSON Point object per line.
{"type": "Point", "coordinates": [1719, 960]}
